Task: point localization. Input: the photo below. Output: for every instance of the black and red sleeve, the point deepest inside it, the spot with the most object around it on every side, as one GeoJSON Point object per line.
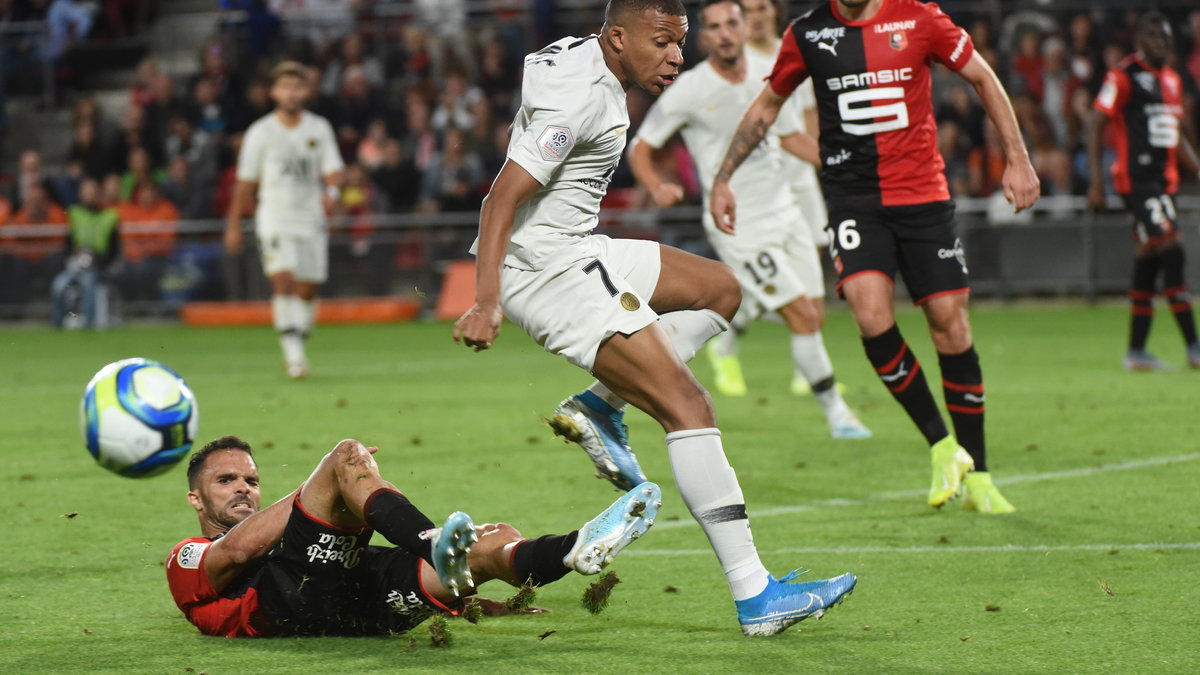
{"type": "Point", "coordinates": [790, 69]}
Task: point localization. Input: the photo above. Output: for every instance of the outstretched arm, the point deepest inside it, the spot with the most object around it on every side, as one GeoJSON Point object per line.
{"type": "Point", "coordinates": [641, 163]}
{"type": "Point", "coordinates": [514, 186]}
{"type": "Point", "coordinates": [1021, 185]}
{"type": "Point", "coordinates": [753, 128]}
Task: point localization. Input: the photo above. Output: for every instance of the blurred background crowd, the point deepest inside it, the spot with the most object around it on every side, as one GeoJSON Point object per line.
{"type": "Point", "coordinates": [150, 100]}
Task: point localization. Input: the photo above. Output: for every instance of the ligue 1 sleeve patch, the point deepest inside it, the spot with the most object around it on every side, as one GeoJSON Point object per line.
{"type": "Point", "coordinates": [555, 143]}
{"type": "Point", "coordinates": [189, 556]}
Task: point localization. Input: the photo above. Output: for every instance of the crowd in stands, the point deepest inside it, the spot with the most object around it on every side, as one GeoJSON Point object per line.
{"type": "Point", "coordinates": [422, 116]}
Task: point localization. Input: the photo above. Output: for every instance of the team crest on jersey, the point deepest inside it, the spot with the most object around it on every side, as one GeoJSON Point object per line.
{"type": "Point", "coordinates": [555, 143]}
{"type": "Point", "coordinates": [1145, 80]}
{"type": "Point", "coordinates": [312, 142]}
{"type": "Point", "coordinates": [826, 38]}
{"type": "Point", "coordinates": [898, 40]}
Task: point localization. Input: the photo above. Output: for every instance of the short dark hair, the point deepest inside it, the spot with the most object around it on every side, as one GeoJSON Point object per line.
{"type": "Point", "coordinates": [1152, 20]}
{"type": "Point", "coordinates": [196, 463]}
{"type": "Point", "coordinates": [709, 3]}
{"type": "Point", "coordinates": [617, 10]}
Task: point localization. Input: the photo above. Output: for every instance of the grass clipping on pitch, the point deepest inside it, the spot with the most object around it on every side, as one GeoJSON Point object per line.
{"type": "Point", "coordinates": [595, 597]}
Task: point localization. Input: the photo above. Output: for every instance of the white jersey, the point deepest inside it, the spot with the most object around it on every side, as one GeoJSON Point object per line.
{"type": "Point", "coordinates": [800, 173]}
{"type": "Point", "coordinates": [289, 163]}
{"type": "Point", "coordinates": [569, 135]}
{"type": "Point", "coordinates": [707, 108]}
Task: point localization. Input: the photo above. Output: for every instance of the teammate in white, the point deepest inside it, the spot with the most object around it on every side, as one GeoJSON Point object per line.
{"type": "Point", "coordinates": [631, 312]}
{"type": "Point", "coordinates": [773, 254]}
{"type": "Point", "coordinates": [290, 160]}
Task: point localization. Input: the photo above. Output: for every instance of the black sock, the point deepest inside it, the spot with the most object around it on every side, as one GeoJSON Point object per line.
{"type": "Point", "coordinates": [391, 514]}
{"type": "Point", "coordinates": [1176, 292]}
{"type": "Point", "coordinates": [1141, 299]}
{"type": "Point", "coordinates": [901, 374]}
{"type": "Point", "coordinates": [962, 383]}
{"type": "Point", "coordinates": [540, 561]}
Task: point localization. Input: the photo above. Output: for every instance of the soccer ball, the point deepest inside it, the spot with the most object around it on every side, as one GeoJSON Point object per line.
{"type": "Point", "coordinates": [138, 417]}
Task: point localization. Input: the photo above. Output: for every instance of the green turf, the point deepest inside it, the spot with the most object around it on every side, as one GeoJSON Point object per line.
{"type": "Point", "coordinates": [460, 430]}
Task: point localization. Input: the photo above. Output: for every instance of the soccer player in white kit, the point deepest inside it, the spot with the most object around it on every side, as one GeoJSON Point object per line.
{"type": "Point", "coordinates": [631, 312]}
{"type": "Point", "coordinates": [290, 160]}
{"type": "Point", "coordinates": [772, 254]}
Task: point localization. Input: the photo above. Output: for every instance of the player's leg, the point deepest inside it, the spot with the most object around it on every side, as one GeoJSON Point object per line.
{"type": "Point", "coordinates": [1149, 219]}
{"type": "Point", "coordinates": [722, 351]}
{"type": "Point", "coordinates": [1175, 282]}
{"type": "Point", "coordinates": [280, 257]}
{"type": "Point", "coordinates": [813, 366]}
{"type": "Point", "coordinates": [933, 263]}
{"type": "Point", "coordinates": [694, 298]}
{"type": "Point", "coordinates": [644, 369]}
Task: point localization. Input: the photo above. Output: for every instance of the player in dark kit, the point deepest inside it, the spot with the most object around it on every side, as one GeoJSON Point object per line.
{"type": "Point", "coordinates": [302, 566]}
{"type": "Point", "coordinates": [889, 206]}
{"type": "Point", "coordinates": [1143, 99]}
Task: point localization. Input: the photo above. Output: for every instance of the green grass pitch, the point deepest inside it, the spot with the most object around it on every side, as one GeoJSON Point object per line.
{"type": "Point", "coordinates": [1097, 572]}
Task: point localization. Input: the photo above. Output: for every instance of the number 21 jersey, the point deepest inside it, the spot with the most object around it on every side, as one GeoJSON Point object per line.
{"type": "Point", "coordinates": [872, 83]}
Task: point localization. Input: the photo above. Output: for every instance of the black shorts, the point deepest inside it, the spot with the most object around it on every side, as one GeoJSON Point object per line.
{"type": "Point", "coordinates": [1153, 217]}
{"type": "Point", "coordinates": [325, 580]}
{"type": "Point", "coordinates": [918, 241]}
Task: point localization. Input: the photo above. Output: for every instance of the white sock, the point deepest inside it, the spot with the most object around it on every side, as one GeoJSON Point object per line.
{"type": "Point", "coordinates": [687, 330]}
{"type": "Point", "coordinates": [811, 359]}
{"type": "Point", "coordinates": [306, 315]}
{"type": "Point", "coordinates": [711, 492]}
{"type": "Point", "coordinates": [727, 343]}
{"type": "Point", "coordinates": [281, 312]}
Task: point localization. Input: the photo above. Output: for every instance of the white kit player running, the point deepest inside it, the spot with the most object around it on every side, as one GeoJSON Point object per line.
{"type": "Point", "coordinates": [772, 254]}
{"type": "Point", "coordinates": [631, 312]}
{"type": "Point", "coordinates": [290, 160]}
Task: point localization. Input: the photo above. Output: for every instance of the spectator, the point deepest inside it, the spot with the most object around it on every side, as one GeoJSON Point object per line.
{"type": "Point", "coordinates": [190, 194]}
{"type": "Point", "coordinates": [353, 54]}
{"type": "Point", "coordinates": [215, 67]}
{"type": "Point", "coordinates": [28, 257]}
{"type": "Point", "coordinates": [148, 234]}
{"type": "Point", "coordinates": [954, 149]}
{"type": "Point", "coordinates": [93, 250]}
{"type": "Point", "coordinates": [1027, 66]}
{"type": "Point", "coordinates": [68, 22]}
{"type": "Point", "coordinates": [357, 105]}
{"type": "Point", "coordinates": [1085, 56]}
{"type": "Point", "coordinates": [499, 77]}
{"type": "Point", "coordinates": [455, 104]}
{"type": "Point", "coordinates": [370, 149]}
{"type": "Point", "coordinates": [163, 106]}
{"type": "Point", "coordinates": [140, 173]}
{"type": "Point", "coordinates": [420, 140]}
{"type": "Point", "coordinates": [209, 114]}
{"type": "Point", "coordinates": [29, 174]}
{"type": "Point", "coordinates": [193, 145]}
{"type": "Point", "coordinates": [1056, 88]}
{"type": "Point", "coordinates": [256, 104]}
{"type": "Point", "coordinates": [142, 92]}
{"type": "Point", "coordinates": [86, 150]}
{"type": "Point", "coordinates": [397, 178]}
{"type": "Point", "coordinates": [454, 180]}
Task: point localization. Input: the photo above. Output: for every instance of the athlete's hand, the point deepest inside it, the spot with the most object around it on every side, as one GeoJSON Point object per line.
{"type": "Point", "coordinates": [1021, 185]}
{"type": "Point", "coordinates": [722, 205]}
{"type": "Point", "coordinates": [233, 237]}
{"type": "Point", "coordinates": [1095, 196]}
{"type": "Point", "coordinates": [667, 194]}
{"type": "Point", "coordinates": [479, 327]}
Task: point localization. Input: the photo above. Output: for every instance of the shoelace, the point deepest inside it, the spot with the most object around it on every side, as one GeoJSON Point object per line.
{"type": "Point", "coordinates": [793, 575]}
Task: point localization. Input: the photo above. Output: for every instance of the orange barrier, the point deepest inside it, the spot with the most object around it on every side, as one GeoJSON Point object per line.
{"type": "Point", "coordinates": [458, 290]}
{"type": "Point", "coordinates": [329, 311]}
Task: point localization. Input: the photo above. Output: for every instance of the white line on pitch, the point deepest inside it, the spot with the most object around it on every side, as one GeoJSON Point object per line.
{"type": "Point", "coordinates": [850, 550]}
{"type": "Point", "coordinates": [908, 494]}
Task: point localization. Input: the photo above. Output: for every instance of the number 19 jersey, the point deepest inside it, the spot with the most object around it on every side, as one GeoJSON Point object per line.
{"type": "Point", "coordinates": [872, 83]}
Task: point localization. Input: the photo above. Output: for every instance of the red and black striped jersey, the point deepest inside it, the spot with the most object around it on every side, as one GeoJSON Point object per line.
{"type": "Point", "coordinates": [872, 82]}
{"type": "Point", "coordinates": [1145, 106]}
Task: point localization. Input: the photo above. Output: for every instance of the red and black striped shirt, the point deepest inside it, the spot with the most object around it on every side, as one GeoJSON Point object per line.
{"type": "Point", "coordinates": [1145, 106]}
{"type": "Point", "coordinates": [872, 82]}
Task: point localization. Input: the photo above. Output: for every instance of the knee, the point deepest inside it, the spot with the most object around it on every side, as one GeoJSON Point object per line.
{"type": "Point", "coordinates": [727, 293]}
{"type": "Point", "coordinates": [349, 455]}
{"type": "Point", "coordinates": [952, 335]}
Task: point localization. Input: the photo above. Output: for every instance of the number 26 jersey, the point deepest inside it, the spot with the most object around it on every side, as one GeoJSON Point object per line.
{"type": "Point", "coordinates": [872, 83]}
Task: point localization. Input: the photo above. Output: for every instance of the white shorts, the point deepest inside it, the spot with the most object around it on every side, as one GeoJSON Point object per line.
{"type": "Point", "coordinates": [812, 206]}
{"type": "Point", "coordinates": [588, 292]}
{"type": "Point", "coordinates": [305, 256]}
{"type": "Point", "coordinates": [774, 265]}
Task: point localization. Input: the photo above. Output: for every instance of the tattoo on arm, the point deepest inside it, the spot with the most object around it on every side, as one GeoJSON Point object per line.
{"type": "Point", "coordinates": [747, 137]}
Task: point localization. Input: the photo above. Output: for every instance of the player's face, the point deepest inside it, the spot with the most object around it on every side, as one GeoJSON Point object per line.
{"type": "Point", "coordinates": [854, 4]}
{"type": "Point", "coordinates": [1155, 43]}
{"type": "Point", "coordinates": [760, 18]}
{"type": "Point", "coordinates": [724, 32]}
{"type": "Point", "coordinates": [227, 492]}
{"type": "Point", "coordinates": [289, 93]}
{"type": "Point", "coordinates": [652, 49]}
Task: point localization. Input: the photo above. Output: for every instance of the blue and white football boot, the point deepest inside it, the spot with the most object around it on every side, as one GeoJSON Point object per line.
{"type": "Point", "coordinates": [598, 428]}
{"type": "Point", "coordinates": [606, 535]}
{"type": "Point", "coordinates": [451, 544]}
{"type": "Point", "coordinates": [782, 604]}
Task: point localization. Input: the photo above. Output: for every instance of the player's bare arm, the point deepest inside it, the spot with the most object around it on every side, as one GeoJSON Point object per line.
{"type": "Point", "coordinates": [514, 186]}
{"type": "Point", "coordinates": [1095, 141]}
{"type": "Point", "coordinates": [641, 162]}
{"type": "Point", "coordinates": [1021, 185]}
{"type": "Point", "coordinates": [804, 146]}
{"type": "Point", "coordinates": [243, 195]}
{"type": "Point", "coordinates": [753, 129]}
